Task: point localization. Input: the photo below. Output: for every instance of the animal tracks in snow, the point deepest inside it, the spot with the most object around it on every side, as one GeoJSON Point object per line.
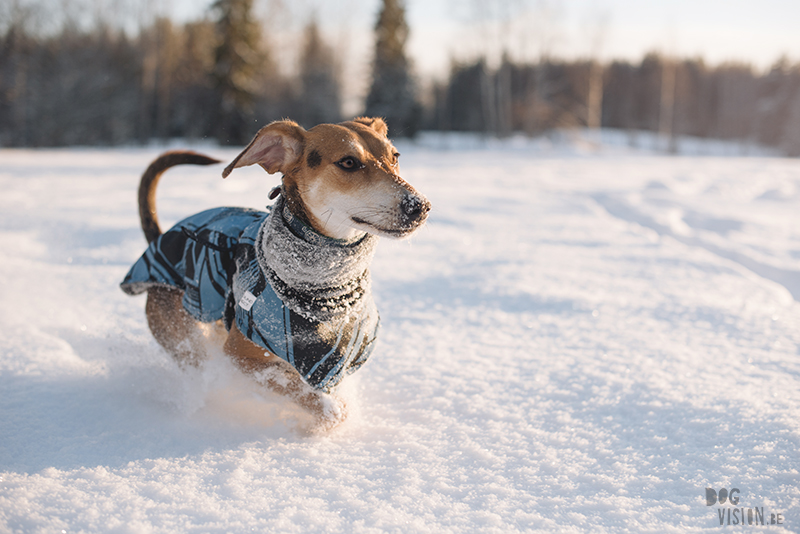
{"type": "Point", "coordinates": [717, 235]}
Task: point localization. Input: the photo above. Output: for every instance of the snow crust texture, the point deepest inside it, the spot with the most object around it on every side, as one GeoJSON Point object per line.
{"type": "Point", "coordinates": [581, 339]}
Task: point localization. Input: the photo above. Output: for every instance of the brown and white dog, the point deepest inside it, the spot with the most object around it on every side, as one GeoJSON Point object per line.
{"type": "Point", "coordinates": [340, 180]}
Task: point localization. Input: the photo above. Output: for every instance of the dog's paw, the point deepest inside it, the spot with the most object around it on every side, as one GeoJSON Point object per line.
{"type": "Point", "coordinates": [332, 413]}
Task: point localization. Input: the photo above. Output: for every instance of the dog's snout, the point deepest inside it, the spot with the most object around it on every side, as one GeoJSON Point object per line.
{"type": "Point", "coordinates": [415, 207]}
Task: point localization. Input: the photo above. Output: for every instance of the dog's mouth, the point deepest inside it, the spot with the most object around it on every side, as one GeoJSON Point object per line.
{"type": "Point", "coordinates": [396, 233]}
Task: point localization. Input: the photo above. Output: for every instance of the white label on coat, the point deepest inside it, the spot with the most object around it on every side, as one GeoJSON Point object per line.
{"type": "Point", "coordinates": [247, 301]}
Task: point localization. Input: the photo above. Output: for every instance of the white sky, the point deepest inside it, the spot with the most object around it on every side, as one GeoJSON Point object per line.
{"type": "Point", "coordinates": [756, 31]}
{"type": "Point", "coordinates": [753, 31]}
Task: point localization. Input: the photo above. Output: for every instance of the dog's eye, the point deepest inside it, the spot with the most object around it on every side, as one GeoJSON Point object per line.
{"type": "Point", "coordinates": [396, 157]}
{"type": "Point", "coordinates": [349, 163]}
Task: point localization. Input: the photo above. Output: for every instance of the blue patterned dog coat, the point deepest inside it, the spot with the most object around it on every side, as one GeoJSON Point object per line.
{"type": "Point", "coordinates": [214, 258]}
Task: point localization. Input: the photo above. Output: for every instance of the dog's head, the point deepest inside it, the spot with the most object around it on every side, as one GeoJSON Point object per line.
{"type": "Point", "coordinates": [340, 178]}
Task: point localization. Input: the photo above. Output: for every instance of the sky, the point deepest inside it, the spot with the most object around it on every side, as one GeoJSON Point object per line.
{"type": "Point", "coordinates": [758, 32]}
{"type": "Point", "coordinates": [755, 31]}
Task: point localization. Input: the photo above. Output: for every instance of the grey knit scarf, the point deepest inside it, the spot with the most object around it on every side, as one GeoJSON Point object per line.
{"type": "Point", "coordinates": [318, 277]}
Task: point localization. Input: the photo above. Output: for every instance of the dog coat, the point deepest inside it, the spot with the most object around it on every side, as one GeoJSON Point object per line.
{"type": "Point", "coordinates": [300, 295]}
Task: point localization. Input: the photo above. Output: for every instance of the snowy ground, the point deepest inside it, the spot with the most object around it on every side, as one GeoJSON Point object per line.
{"type": "Point", "coordinates": [583, 339]}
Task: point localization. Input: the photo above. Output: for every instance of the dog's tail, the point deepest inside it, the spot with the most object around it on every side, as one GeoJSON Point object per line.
{"type": "Point", "coordinates": [150, 178]}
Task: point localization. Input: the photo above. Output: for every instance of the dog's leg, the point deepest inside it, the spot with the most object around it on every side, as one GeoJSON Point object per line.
{"type": "Point", "coordinates": [280, 377]}
{"type": "Point", "coordinates": [173, 327]}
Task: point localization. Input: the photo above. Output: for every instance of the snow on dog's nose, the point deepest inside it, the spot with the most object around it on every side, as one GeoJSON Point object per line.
{"type": "Point", "coordinates": [413, 206]}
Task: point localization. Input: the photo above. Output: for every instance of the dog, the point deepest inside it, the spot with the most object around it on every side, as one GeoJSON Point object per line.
{"type": "Point", "coordinates": [292, 285]}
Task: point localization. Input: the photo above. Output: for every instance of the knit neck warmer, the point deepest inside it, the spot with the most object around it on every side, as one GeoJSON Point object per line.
{"type": "Point", "coordinates": [318, 277]}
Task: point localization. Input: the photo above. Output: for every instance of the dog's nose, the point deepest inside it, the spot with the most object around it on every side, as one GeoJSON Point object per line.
{"type": "Point", "coordinates": [414, 207]}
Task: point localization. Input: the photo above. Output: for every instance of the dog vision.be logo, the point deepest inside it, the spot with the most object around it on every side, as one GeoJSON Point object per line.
{"type": "Point", "coordinates": [735, 515]}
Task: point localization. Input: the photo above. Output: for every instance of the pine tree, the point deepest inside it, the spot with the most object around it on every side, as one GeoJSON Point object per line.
{"type": "Point", "coordinates": [237, 64]}
{"type": "Point", "coordinates": [320, 96]}
{"type": "Point", "coordinates": [393, 92]}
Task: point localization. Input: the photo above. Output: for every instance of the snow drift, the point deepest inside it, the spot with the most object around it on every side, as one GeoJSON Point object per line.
{"type": "Point", "coordinates": [583, 338]}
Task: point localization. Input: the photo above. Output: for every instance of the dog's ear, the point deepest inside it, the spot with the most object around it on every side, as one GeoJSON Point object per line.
{"type": "Point", "coordinates": [376, 123]}
{"type": "Point", "coordinates": [276, 147]}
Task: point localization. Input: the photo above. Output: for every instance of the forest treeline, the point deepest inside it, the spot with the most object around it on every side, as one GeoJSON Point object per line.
{"type": "Point", "coordinates": [672, 97]}
{"type": "Point", "coordinates": [216, 78]}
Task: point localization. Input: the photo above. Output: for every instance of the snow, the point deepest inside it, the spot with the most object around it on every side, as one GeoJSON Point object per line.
{"type": "Point", "coordinates": [584, 337]}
